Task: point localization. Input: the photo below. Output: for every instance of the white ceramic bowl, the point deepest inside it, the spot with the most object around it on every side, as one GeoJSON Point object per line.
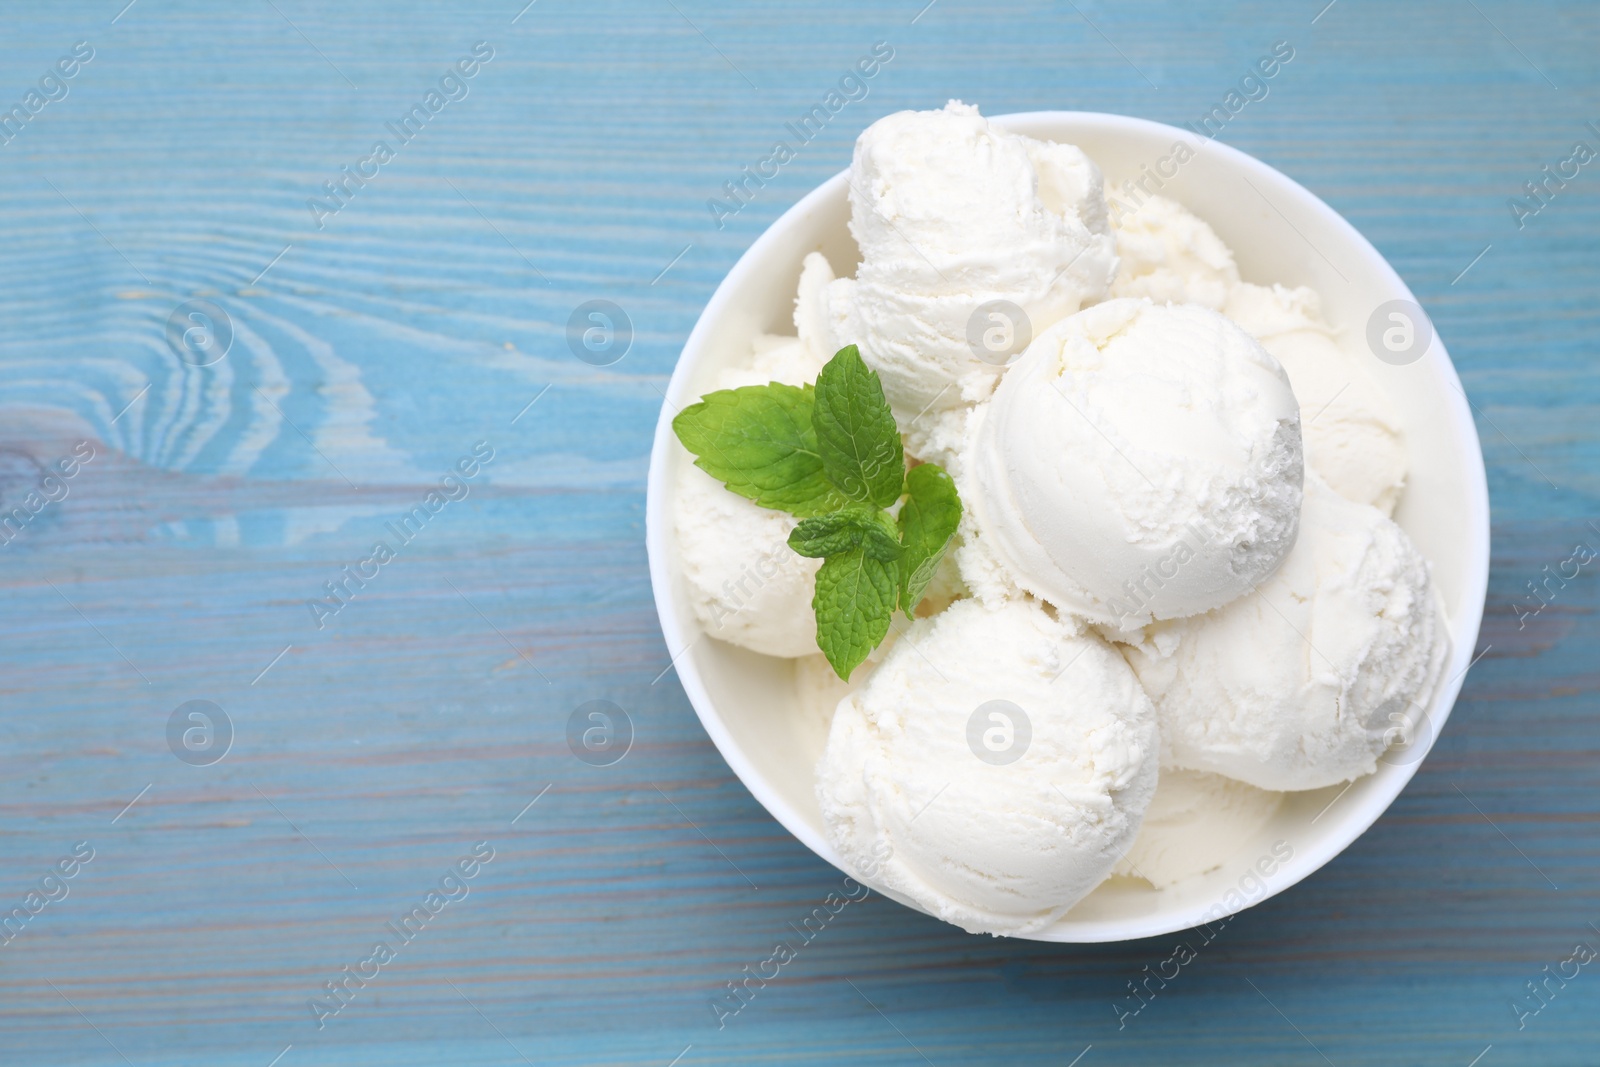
{"type": "Point", "coordinates": [1280, 232]}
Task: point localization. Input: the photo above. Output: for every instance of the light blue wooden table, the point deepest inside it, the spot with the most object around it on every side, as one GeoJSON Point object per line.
{"type": "Point", "coordinates": [381, 337]}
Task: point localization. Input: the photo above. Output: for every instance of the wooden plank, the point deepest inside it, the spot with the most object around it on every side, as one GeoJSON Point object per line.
{"type": "Point", "coordinates": [373, 353]}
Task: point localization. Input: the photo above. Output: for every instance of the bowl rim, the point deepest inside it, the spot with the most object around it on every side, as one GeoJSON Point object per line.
{"type": "Point", "coordinates": [1354, 821]}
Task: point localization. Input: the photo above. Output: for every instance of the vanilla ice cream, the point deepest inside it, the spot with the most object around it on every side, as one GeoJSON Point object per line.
{"type": "Point", "coordinates": [1192, 466]}
{"type": "Point", "coordinates": [951, 214]}
{"type": "Point", "coordinates": [775, 359]}
{"type": "Point", "coordinates": [1304, 683]}
{"type": "Point", "coordinates": [1000, 760]}
{"type": "Point", "coordinates": [744, 582]}
{"type": "Point", "coordinates": [937, 435]}
{"type": "Point", "coordinates": [1168, 255]}
{"type": "Point", "coordinates": [1139, 462]}
{"type": "Point", "coordinates": [1194, 824]}
{"type": "Point", "coordinates": [1352, 434]}
{"type": "Point", "coordinates": [819, 688]}
{"type": "Point", "coordinates": [810, 312]}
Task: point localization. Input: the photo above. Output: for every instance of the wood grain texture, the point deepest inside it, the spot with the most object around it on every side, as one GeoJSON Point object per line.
{"type": "Point", "coordinates": [426, 714]}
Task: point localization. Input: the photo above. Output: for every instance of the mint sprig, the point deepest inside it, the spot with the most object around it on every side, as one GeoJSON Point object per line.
{"type": "Point", "coordinates": [832, 457]}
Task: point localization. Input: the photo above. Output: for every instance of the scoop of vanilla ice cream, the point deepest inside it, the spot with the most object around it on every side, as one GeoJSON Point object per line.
{"type": "Point", "coordinates": [1169, 255]}
{"type": "Point", "coordinates": [1195, 823]}
{"type": "Point", "coordinates": [1352, 435]}
{"type": "Point", "coordinates": [744, 582]}
{"type": "Point", "coordinates": [1001, 847]}
{"type": "Point", "coordinates": [1303, 683]}
{"type": "Point", "coordinates": [950, 214]}
{"type": "Point", "coordinates": [1138, 462]}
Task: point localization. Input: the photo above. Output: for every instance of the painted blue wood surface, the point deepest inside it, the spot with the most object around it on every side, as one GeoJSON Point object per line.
{"type": "Point", "coordinates": [423, 317]}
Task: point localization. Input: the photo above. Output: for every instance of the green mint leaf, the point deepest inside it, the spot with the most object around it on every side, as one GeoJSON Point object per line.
{"type": "Point", "coordinates": [854, 600]}
{"type": "Point", "coordinates": [856, 432]}
{"type": "Point", "coordinates": [760, 442]}
{"type": "Point", "coordinates": [870, 529]}
{"type": "Point", "coordinates": [927, 522]}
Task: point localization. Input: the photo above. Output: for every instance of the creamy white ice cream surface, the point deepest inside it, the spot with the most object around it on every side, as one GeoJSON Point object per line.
{"type": "Point", "coordinates": [1305, 682]}
{"type": "Point", "coordinates": [951, 215]}
{"type": "Point", "coordinates": [1194, 824]}
{"type": "Point", "coordinates": [1000, 761]}
{"type": "Point", "coordinates": [1352, 434]}
{"type": "Point", "coordinates": [1139, 462]}
{"type": "Point", "coordinates": [1169, 255]}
